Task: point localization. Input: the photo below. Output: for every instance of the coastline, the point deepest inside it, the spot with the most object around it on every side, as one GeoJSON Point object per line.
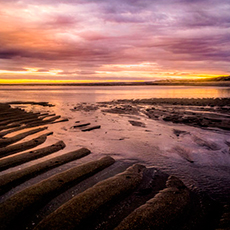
{"type": "Point", "coordinates": [156, 83]}
{"type": "Point", "coordinates": [131, 127]}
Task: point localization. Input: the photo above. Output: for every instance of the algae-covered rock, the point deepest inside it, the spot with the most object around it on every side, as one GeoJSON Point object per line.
{"type": "Point", "coordinates": [6, 151]}
{"type": "Point", "coordinates": [79, 209]}
{"type": "Point", "coordinates": [28, 200]}
{"type": "Point", "coordinates": [161, 211]}
{"type": "Point", "coordinates": [14, 178]}
{"type": "Point", "coordinates": [7, 141]}
{"type": "Point", "coordinates": [31, 155]}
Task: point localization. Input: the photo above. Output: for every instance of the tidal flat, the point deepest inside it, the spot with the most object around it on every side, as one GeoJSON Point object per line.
{"type": "Point", "coordinates": [170, 156]}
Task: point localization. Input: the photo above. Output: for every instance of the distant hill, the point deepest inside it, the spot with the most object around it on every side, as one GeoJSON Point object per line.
{"type": "Point", "coordinates": [185, 81]}
{"type": "Point", "coordinates": [215, 81]}
{"type": "Point", "coordinates": [224, 78]}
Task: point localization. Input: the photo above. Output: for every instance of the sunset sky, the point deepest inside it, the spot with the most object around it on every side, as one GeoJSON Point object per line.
{"type": "Point", "coordinates": [113, 40]}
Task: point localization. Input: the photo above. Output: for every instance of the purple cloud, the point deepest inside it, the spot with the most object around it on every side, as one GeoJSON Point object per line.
{"type": "Point", "coordinates": [88, 34]}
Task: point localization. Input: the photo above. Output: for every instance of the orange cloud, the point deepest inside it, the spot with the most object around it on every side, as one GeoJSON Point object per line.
{"type": "Point", "coordinates": [106, 40]}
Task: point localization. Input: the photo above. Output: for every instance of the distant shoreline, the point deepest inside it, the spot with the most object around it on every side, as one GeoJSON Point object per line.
{"type": "Point", "coordinates": [157, 83]}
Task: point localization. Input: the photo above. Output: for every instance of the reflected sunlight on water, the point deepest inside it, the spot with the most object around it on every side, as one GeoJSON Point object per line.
{"type": "Point", "coordinates": [59, 94]}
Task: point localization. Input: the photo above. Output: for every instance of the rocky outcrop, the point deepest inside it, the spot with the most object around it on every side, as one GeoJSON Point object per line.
{"type": "Point", "coordinates": [6, 151]}
{"type": "Point", "coordinates": [28, 200]}
{"type": "Point", "coordinates": [15, 160]}
{"type": "Point", "coordinates": [9, 180]}
{"type": "Point", "coordinates": [164, 211]}
{"type": "Point", "coordinates": [79, 209]}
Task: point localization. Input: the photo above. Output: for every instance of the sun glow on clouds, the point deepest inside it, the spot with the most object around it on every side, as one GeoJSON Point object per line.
{"type": "Point", "coordinates": [33, 71]}
{"type": "Point", "coordinates": [144, 65]}
{"type": "Point", "coordinates": [89, 40]}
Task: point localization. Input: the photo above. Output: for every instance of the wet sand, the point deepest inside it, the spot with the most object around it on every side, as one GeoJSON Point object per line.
{"type": "Point", "coordinates": [145, 141]}
{"type": "Point", "coordinates": [210, 113]}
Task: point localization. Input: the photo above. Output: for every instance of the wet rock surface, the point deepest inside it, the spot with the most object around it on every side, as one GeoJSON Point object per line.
{"type": "Point", "coordinates": [224, 223]}
{"type": "Point", "coordinates": [206, 113]}
{"type": "Point", "coordinates": [137, 123]}
{"type": "Point", "coordinates": [174, 207]}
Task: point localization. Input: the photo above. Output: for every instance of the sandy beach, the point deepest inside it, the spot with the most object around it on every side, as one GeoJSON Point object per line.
{"type": "Point", "coordinates": [112, 161]}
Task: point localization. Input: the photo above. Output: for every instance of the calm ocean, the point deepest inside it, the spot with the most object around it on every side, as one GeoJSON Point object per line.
{"type": "Point", "coordinates": [93, 94]}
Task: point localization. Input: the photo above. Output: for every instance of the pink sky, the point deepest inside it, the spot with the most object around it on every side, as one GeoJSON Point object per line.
{"type": "Point", "coordinates": [124, 40]}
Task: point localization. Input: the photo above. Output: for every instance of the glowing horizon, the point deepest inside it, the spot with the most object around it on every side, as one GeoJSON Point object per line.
{"type": "Point", "coordinates": [116, 41]}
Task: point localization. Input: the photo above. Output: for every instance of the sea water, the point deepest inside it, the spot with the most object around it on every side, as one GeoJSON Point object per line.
{"type": "Point", "coordinates": [92, 94]}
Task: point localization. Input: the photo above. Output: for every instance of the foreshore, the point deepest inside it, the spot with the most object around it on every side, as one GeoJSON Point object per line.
{"type": "Point", "coordinates": [132, 158]}
{"type": "Point", "coordinates": [209, 112]}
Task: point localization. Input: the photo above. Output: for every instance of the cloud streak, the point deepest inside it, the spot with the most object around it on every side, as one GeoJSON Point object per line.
{"type": "Point", "coordinates": [88, 39]}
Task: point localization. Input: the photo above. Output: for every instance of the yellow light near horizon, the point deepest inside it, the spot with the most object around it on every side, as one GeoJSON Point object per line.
{"type": "Point", "coordinates": [196, 77]}
{"type": "Point", "coordinates": [38, 81]}
{"type": "Point", "coordinates": [48, 77]}
{"type": "Point", "coordinates": [48, 81]}
{"type": "Point", "coordinates": [34, 81]}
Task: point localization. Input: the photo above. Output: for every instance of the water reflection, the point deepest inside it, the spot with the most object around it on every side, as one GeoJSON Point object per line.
{"type": "Point", "coordinates": [75, 94]}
